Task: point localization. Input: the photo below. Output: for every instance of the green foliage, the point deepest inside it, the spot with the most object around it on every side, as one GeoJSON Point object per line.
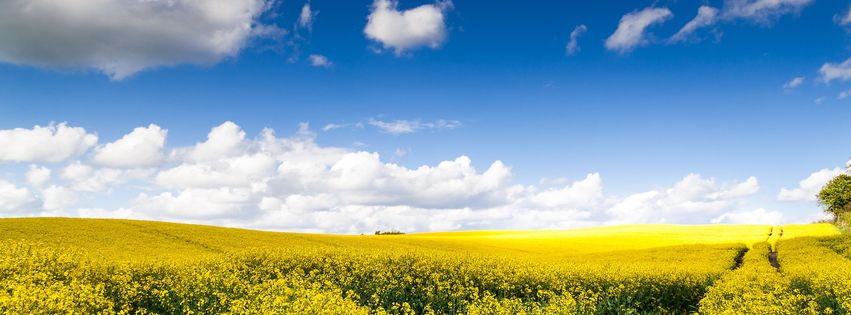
{"type": "Point", "coordinates": [835, 196]}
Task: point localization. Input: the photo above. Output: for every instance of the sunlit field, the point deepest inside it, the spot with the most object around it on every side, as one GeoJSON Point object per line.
{"type": "Point", "coordinates": [127, 241]}
{"type": "Point", "coordinates": [118, 266]}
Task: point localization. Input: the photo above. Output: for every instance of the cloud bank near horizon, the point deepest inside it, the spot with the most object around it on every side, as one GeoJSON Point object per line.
{"type": "Point", "coordinates": [292, 183]}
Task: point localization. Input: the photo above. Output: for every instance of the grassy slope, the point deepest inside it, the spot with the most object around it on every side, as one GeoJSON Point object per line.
{"type": "Point", "coordinates": [127, 240]}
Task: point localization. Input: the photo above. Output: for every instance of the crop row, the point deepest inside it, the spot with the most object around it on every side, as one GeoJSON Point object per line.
{"type": "Point", "coordinates": [40, 280]}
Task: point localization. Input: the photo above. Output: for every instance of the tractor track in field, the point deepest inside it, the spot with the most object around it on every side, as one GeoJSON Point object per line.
{"type": "Point", "coordinates": [772, 258]}
{"type": "Point", "coordinates": [740, 258]}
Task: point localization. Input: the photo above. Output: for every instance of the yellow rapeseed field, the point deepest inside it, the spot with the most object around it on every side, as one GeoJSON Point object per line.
{"type": "Point", "coordinates": [85, 266]}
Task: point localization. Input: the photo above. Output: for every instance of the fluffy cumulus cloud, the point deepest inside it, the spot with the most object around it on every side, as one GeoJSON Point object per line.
{"type": "Point", "coordinates": [582, 194]}
{"type": "Point", "coordinates": [58, 198]}
{"type": "Point", "coordinates": [37, 176]}
{"type": "Point", "coordinates": [14, 199]}
{"type": "Point", "coordinates": [292, 183]}
{"type": "Point", "coordinates": [92, 34]}
{"type": "Point", "coordinates": [706, 16]}
{"type": "Point", "coordinates": [224, 141]}
{"type": "Point", "coordinates": [87, 178]}
{"type": "Point", "coordinates": [403, 30]}
{"type": "Point", "coordinates": [631, 31]}
{"type": "Point", "coordinates": [810, 186]}
{"type": "Point", "coordinates": [52, 143]}
{"type": "Point", "coordinates": [573, 44]}
{"type": "Point", "coordinates": [139, 148]}
{"type": "Point", "coordinates": [694, 199]}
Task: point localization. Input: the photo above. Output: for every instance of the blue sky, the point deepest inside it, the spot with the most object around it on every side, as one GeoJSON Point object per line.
{"type": "Point", "coordinates": [489, 81]}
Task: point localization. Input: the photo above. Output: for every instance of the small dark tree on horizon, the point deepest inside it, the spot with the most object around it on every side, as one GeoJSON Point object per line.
{"type": "Point", "coordinates": [835, 196]}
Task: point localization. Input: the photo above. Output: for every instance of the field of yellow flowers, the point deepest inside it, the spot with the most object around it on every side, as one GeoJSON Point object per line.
{"type": "Point", "coordinates": [86, 266]}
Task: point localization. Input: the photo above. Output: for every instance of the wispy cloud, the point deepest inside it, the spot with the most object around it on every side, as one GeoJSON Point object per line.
{"type": "Point", "coordinates": [307, 16]}
{"type": "Point", "coordinates": [758, 11]}
{"type": "Point", "coordinates": [630, 33]}
{"type": "Point", "coordinates": [762, 10]}
{"type": "Point", "coordinates": [402, 126]}
{"type": "Point", "coordinates": [706, 16]}
{"type": "Point", "coordinates": [573, 43]}
{"type": "Point", "coordinates": [398, 126]}
{"type": "Point", "coordinates": [330, 127]}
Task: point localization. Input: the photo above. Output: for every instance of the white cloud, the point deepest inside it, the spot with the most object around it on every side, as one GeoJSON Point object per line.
{"type": "Point", "coordinates": [836, 71]}
{"type": "Point", "coordinates": [292, 183]}
{"type": "Point", "coordinates": [306, 17]}
{"type": "Point", "coordinates": [330, 127]}
{"type": "Point", "coordinates": [15, 199]}
{"type": "Point", "coordinates": [58, 198]}
{"type": "Point", "coordinates": [581, 194]}
{"type": "Point", "coordinates": [737, 190]}
{"type": "Point", "coordinates": [139, 148]}
{"type": "Point", "coordinates": [843, 94]}
{"type": "Point", "coordinates": [423, 26]}
{"type": "Point", "coordinates": [631, 29]}
{"type": "Point", "coordinates": [89, 179]}
{"type": "Point", "coordinates": [319, 61]}
{"type": "Point", "coordinates": [793, 83]}
{"type": "Point", "coordinates": [693, 199]}
{"type": "Point", "coordinates": [706, 16]}
{"type": "Point", "coordinates": [762, 10]}
{"type": "Point", "coordinates": [223, 141]}
{"type": "Point", "coordinates": [758, 216]}
{"type": "Point", "coordinates": [227, 172]}
{"type": "Point", "coordinates": [362, 178]}
{"type": "Point", "coordinates": [37, 176]}
{"type": "Point", "coordinates": [197, 203]}
{"type": "Point", "coordinates": [759, 11]}
{"type": "Point", "coordinates": [402, 126]}
{"type": "Point", "coordinates": [809, 187]}
{"type": "Point", "coordinates": [573, 43]}
{"type": "Point", "coordinates": [53, 143]}
{"type": "Point", "coordinates": [819, 100]}
{"type": "Point", "coordinates": [396, 127]}
{"type": "Point", "coordinates": [94, 33]}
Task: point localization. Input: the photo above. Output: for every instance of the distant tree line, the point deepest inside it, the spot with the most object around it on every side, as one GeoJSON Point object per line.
{"type": "Point", "coordinates": [391, 232]}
